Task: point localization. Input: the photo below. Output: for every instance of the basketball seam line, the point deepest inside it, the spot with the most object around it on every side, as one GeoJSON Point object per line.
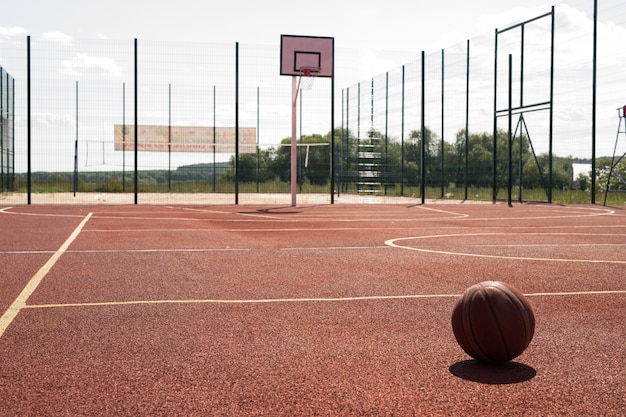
{"type": "Point", "coordinates": [498, 323]}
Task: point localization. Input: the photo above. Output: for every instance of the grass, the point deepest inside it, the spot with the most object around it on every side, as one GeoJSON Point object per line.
{"type": "Point", "coordinates": [113, 185]}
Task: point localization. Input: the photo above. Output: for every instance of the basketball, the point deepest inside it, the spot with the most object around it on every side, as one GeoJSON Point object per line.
{"type": "Point", "coordinates": [493, 322]}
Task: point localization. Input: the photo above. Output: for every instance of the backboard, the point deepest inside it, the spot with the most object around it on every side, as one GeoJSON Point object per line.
{"type": "Point", "coordinates": [306, 52]}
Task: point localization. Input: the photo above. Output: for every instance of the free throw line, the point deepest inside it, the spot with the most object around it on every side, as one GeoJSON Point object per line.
{"type": "Point", "coordinates": [20, 302]}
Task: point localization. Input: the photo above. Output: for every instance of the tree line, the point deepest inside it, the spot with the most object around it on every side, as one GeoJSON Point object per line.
{"type": "Point", "coordinates": [468, 161]}
{"type": "Point", "coordinates": [464, 162]}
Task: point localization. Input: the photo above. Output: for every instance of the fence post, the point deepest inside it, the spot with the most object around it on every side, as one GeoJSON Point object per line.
{"type": "Point", "coordinates": [467, 81]}
{"type": "Point", "coordinates": [236, 122]}
{"type": "Point", "coordinates": [442, 122]}
{"type": "Point", "coordinates": [332, 132]}
{"type": "Point", "coordinates": [495, 120]}
{"type": "Point", "coordinates": [509, 188]}
{"type": "Point", "coordinates": [593, 105]}
{"type": "Point", "coordinates": [28, 122]}
{"type": "Point", "coordinates": [76, 147]}
{"type": "Point", "coordinates": [136, 139]}
{"type": "Point", "coordinates": [423, 134]}
{"type": "Point", "coordinates": [402, 140]}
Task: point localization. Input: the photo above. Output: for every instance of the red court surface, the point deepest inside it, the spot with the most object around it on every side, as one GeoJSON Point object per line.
{"type": "Point", "coordinates": [318, 310]}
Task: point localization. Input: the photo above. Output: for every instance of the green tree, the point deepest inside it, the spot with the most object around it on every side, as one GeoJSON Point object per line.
{"type": "Point", "coordinates": [313, 161]}
{"type": "Point", "coordinates": [252, 167]}
{"type": "Point", "coordinates": [603, 172]}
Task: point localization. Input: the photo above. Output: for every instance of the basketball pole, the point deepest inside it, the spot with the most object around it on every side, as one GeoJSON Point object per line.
{"type": "Point", "coordinates": [295, 85]}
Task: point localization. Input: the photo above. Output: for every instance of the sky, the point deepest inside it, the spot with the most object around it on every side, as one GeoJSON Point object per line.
{"type": "Point", "coordinates": [378, 25]}
{"type": "Point", "coordinates": [360, 29]}
{"type": "Point", "coordinates": [365, 27]}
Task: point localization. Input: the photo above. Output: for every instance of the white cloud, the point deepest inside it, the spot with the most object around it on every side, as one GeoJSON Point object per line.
{"type": "Point", "coordinates": [510, 17]}
{"type": "Point", "coordinates": [12, 32]}
{"type": "Point", "coordinates": [83, 62]}
{"type": "Point", "coordinates": [49, 119]}
{"type": "Point", "coordinates": [57, 37]}
{"type": "Point", "coordinates": [450, 40]}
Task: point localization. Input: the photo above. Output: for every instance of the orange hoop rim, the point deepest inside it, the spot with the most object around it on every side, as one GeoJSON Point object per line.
{"type": "Point", "coordinates": [309, 71]}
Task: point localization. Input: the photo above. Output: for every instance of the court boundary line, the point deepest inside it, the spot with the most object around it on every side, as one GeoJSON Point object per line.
{"type": "Point", "coordinates": [451, 215]}
{"type": "Point", "coordinates": [20, 301]}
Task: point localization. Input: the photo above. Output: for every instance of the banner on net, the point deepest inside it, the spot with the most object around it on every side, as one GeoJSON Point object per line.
{"type": "Point", "coordinates": [153, 138]}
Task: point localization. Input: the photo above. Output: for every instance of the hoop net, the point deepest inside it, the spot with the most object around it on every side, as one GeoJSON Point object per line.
{"type": "Point", "coordinates": [307, 77]}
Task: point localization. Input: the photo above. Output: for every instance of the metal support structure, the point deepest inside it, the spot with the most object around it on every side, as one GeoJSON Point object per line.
{"type": "Point", "coordinates": [258, 152]}
{"type": "Point", "coordinates": [300, 162]}
{"type": "Point", "coordinates": [76, 147]}
{"type": "Point", "coordinates": [136, 122]}
{"type": "Point", "coordinates": [2, 164]}
{"type": "Point", "coordinates": [423, 131]}
{"type": "Point", "coordinates": [236, 122]}
{"type": "Point", "coordinates": [332, 134]}
{"type": "Point", "coordinates": [593, 103]}
{"type": "Point", "coordinates": [551, 110]}
{"type": "Point", "coordinates": [402, 139]}
{"type": "Point", "coordinates": [443, 118]}
{"type": "Point", "coordinates": [524, 107]}
{"type": "Point", "coordinates": [29, 183]}
{"type": "Point", "coordinates": [467, 84]}
{"type": "Point", "coordinates": [494, 169]}
{"type": "Point", "coordinates": [214, 141]}
{"type": "Point", "coordinates": [124, 137]}
{"type": "Point", "coordinates": [621, 112]}
{"type": "Point", "coordinates": [385, 177]}
{"type": "Point", "coordinates": [169, 138]}
{"type": "Point", "coordinates": [345, 135]}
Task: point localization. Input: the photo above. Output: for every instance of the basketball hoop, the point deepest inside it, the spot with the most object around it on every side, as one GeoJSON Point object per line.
{"type": "Point", "coordinates": [304, 58]}
{"type": "Point", "coordinates": [307, 77]}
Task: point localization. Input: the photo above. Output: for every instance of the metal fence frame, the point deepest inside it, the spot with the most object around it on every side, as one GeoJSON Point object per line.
{"type": "Point", "coordinates": [407, 108]}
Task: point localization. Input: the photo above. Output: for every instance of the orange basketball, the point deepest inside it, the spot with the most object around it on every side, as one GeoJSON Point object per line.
{"type": "Point", "coordinates": [493, 322]}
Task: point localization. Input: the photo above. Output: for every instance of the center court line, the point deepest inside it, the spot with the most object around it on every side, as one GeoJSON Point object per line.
{"type": "Point", "coordinates": [20, 302]}
{"type": "Point", "coordinates": [304, 299]}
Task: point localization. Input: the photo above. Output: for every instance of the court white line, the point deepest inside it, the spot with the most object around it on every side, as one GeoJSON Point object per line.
{"type": "Point", "coordinates": [451, 213]}
{"type": "Point", "coordinates": [303, 300]}
{"type": "Point", "coordinates": [552, 245]}
{"type": "Point", "coordinates": [20, 302]}
{"type": "Point", "coordinates": [198, 250]}
{"type": "Point", "coordinates": [392, 243]}
{"type": "Point", "coordinates": [560, 294]}
{"type": "Point", "coordinates": [244, 301]}
{"type": "Point", "coordinates": [578, 212]}
{"type": "Point", "coordinates": [5, 210]}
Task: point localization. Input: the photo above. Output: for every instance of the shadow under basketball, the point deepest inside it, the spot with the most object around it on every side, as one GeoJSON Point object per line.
{"type": "Point", "coordinates": [507, 373]}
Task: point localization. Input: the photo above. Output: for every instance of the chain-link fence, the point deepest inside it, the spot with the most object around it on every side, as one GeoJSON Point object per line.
{"type": "Point", "coordinates": [213, 122]}
{"type": "Point", "coordinates": [516, 114]}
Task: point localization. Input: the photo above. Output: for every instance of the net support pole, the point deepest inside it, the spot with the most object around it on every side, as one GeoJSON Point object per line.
{"type": "Point", "coordinates": [76, 146]}
{"type": "Point", "coordinates": [136, 128]}
{"type": "Point", "coordinates": [29, 182]}
{"type": "Point", "coordinates": [236, 122]}
{"type": "Point", "coordinates": [593, 100]}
